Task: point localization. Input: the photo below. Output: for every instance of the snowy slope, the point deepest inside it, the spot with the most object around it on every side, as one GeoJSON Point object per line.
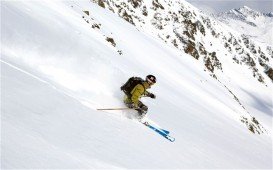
{"type": "Point", "coordinates": [56, 69]}
{"type": "Point", "coordinates": [257, 25]}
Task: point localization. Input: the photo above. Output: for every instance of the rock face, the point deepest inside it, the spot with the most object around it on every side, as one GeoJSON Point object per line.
{"type": "Point", "coordinates": [214, 44]}
{"type": "Point", "coordinates": [181, 25]}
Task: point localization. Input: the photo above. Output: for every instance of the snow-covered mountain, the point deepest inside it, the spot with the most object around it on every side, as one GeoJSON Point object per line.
{"type": "Point", "coordinates": [62, 60]}
{"type": "Point", "coordinates": [256, 25]}
{"type": "Point", "coordinates": [181, 25]}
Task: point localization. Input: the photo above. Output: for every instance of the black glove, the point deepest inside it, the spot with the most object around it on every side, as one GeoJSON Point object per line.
{"type": "Point", "coordinates": [152, 96]}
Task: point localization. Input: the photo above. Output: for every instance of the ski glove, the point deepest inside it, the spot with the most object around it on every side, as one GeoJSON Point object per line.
{"type": "Point", "coordinates": [152, 96]}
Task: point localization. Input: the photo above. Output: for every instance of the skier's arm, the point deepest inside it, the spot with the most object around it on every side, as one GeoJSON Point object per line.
{"type": "Point", "coordinates": [149, 94]}
{"type": "Point", "coordinates": [146, 93]}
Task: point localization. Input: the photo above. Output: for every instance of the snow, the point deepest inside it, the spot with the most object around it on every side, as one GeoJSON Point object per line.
{"type": "Point", "coordinates": [56, 70]}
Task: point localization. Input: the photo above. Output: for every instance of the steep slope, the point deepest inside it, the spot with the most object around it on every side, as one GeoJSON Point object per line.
{"type": "Point", "coordinates": [61, 60]}
{"type": "Point", "coordinates": [256, 25]}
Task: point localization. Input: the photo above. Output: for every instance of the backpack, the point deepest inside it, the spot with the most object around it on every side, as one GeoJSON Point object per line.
{"type": "Point", "coordinates": [130, 84]}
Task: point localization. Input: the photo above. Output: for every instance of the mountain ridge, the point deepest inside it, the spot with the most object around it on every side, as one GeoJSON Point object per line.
{"type": "Point", "coordinates": [256, 25]}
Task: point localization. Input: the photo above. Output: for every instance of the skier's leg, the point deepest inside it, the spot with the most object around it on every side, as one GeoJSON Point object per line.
{"type": "Point", "coordinates": [142, 110]}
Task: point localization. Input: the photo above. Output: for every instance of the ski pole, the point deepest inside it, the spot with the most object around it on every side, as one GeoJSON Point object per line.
{"type": "Point", "coordinates": [116, 109]}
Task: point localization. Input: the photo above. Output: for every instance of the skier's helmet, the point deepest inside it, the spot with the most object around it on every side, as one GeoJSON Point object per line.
{"type": "Point", "coordinates": [151, 79]}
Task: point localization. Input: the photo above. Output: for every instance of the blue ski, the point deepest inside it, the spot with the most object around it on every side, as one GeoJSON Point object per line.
{"type": "Point", "coordinates": [162, 132]}
{"type": "Point", "coordinates": [165, 131]}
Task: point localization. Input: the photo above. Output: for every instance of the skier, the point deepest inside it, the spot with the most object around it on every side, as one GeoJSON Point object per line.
{"type": "Point", "coordinates": [134, 89]}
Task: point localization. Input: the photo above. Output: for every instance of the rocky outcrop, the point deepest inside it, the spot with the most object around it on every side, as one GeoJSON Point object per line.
{"type": "Point", "coordinates": [190, 33]}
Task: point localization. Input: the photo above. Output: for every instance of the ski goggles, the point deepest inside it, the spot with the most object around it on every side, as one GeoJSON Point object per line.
{"type": "Point", "coordinates": [151, 82]}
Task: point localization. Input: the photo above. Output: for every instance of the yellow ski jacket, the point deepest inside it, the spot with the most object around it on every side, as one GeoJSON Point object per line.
{"type": "Point", "coordinates": [138, 92]}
